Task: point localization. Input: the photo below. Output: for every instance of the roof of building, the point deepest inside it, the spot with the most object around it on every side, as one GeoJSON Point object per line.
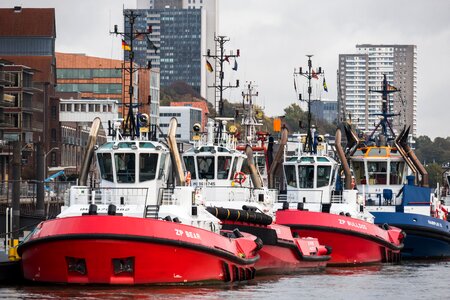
{"type": "Point", "coordinates": [27, 22]}
{"type": "Point", "coordinates": [81, 60]}
{"type": "Point", "coordinates": [199, 104]}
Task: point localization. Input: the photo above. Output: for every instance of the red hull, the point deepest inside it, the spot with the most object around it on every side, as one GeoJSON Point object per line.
{"type": "Point", "coordinates": [123, 250]}
{"type": "Point", "coordinates": [282, 253]}
{"type": "Point", "coordinates": [353, 241]}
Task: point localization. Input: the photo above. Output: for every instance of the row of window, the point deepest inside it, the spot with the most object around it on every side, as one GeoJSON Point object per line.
{"type": "Point", "coordinates": [170, 114]}
{"type": "Point", "coordinates": [96, 88]}
{"type": "Point", "coordinates": [84, 107]}
{"type": "Point", "coordinates": [88, 73]}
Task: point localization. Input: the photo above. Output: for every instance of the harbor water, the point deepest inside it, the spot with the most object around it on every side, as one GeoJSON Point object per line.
{"type": "Point", "coordinates": [408, 280]}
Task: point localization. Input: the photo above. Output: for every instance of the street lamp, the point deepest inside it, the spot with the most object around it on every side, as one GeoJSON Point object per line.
{"type": "Point", "coordinates": [45, 160]}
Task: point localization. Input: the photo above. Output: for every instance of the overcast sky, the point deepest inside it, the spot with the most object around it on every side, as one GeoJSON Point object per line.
{"type": "Point", "coordinates": [275, 36]}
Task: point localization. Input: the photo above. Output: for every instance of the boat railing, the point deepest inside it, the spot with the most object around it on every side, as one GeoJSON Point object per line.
{"type": "Point", "coordinates": [337, 198]}
{"type": "Point", "coordinates": [306, 196]}
{"type": "Point", "coordinates": [166, 197]}
{"type": "Point", "coordinates": [108, 195]}
{"type": "Point", "coordinates": [377, 199]}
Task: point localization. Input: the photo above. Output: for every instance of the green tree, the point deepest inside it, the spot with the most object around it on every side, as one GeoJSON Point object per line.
{"type": "Point", "coordinates": [434, 174]}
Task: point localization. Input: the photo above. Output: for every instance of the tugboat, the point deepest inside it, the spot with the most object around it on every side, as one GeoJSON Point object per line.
{"type": "Point", "coordinates": [317, 205]}
{"type": "Point", "coordinates": [135, 228]}
{"type": "Point", "coordinates": [381, 171]}
{"type": "Point", "coordinates": [216, 165]}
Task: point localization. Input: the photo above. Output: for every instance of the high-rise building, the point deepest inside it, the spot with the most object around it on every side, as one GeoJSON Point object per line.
{"type": "Point", "coordinates": [362, 72]}
{"type": "Point", "coordinates": [182, 30]}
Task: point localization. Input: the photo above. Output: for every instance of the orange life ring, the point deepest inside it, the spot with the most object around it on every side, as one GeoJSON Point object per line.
{"type": "Point", "coordinates": [239, 177]}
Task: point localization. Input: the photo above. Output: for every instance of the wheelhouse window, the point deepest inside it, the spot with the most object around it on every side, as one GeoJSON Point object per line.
{"type": "Point", "coordinates": [291, 177]}
{"type": "Point", "coordinates": [233, 170]}
{"type": "Point", "coordinates": [397, 171]}
{"type": "Point", "coordinates": [205, 166]}
{"type": "Point", "coordinates": [323, 175]}
{"type": "Point", "coordinates": [377, 172]}
{"type": "Point", "coordinates": [147, 166]}
{"type": "Point", "coordinates": [306, 177]}
{"type": "Point", "coordinates": [162, 166]}
{"type": "Point", "coordinates": [358, 169]}
{"type": "Point", "coordinates": [105, 164]}
{"type": "Point", "coordinates": [189, 163]}
{"type": "Point", "coordinates": [223, 167]}
{"type": "Point", "coordinates": [125, 167]}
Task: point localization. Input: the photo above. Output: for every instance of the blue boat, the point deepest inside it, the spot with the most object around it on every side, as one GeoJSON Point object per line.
{"type": "Point", "coordinates": [427, 237]}
{"type": "Point", "coordinates": [394, 186]}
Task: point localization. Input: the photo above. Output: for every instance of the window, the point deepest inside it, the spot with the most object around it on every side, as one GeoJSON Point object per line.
{"type": "Point", "coordinates": [223, 167]}
{"type": "Point", "coordinates": [147, 166]}
{"type": "Point", "coordinates": [377, 172]}
{"type": "Point", "coordinates": [162, 166]}
{"type": "Point", "coordinates": [53, 159]}
{"type": "Point", "coordinates": [53, 134]}
{"type": "Point", "coordinates": [205, 167]}
{"type": "Point", "coordinates": [291, 177]}
{"type": "Point", "coordinates": [105, 164]}
{"type": "Point", "coordinates": [125, 167]}
{"type": "Point", "coordinates": [306, 177]}
{"type": "Point", "coordinates": [189, 163]}
{"type": "Point", "coordinates": [323, 175]}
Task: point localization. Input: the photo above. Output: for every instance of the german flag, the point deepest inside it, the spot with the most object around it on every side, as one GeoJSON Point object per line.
{"type": "Point", "coordinates": [125, 46]}
{"type": "Point", "coordinates": [209, 67]}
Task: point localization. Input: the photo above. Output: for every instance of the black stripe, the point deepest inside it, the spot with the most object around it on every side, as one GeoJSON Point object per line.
{"type": "Point", "coordinates": [425, 232]}
{"type": "Point", "coordinates": [96, 236]}
{"type": "Point", "coordinates": [347, 232]}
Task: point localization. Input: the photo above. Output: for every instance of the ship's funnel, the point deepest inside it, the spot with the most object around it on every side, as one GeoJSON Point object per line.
{"type": "Point", "coordinates": [278, 157]}
{"type": "Point", "coordinates": [343, 159]}
{"type": "Point", "coordinates": [89, 153]}
{"type": "Point", "coordinates": [254, 174]}
{"type": "Point", "coordinates": [174, 153]}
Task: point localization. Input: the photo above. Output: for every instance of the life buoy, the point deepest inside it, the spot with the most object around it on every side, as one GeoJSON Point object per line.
{"type": "Point", "coordinates": [239, 177]}
{"type": "Point", "coordinates": [187, 178]}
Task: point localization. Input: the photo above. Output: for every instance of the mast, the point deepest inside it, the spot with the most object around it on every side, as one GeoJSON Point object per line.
{"type": "Point", "coordinates": [308, 75]}
{"type": "Point", "coordinates": [385, 111]}
{"type": "Point", "coordinates": [249, 120]}
{"type": "Point", "coordinates": [220, 57]}
{"type": "Point", "coordinates": [131, 127]}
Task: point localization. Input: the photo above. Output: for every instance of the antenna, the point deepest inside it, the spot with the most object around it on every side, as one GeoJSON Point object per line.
{"type": "Point", "coordinates": [131, 127]}
{"type": "Point", "coordinates": [311, 73]}
{"type": "Point", "coordinates": [220, 58]}
{"type": "Point", "coordinates": [385, 114]}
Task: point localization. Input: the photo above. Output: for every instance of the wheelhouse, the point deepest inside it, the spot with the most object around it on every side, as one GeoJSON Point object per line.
{"type": "Point", "coordinates": [378, 166]}
{"type": "Point", "coordinates": [309, 172]}
{"type": "Point", "coordinates": [213, 163]}
{"type": "Point", "coordinates": [132, 162]}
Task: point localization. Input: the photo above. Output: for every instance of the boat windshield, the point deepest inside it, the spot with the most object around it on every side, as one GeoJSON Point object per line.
{"type": "Point", "coordinates": [377, 172]}
{"type": "Point", "coordinates": [147, 166]}
{"type": "Point", "coordinates": [162, 166]}
{"type": "Point", "coordinates": [223, 166]}
{"type": "Point", "coordinates": [397, 172]}
{"type": "Point", "coordinates": [189, 163]}
{"type": "Point", "coordinates": [306, 176]}
{"type": "Point", "coordinates": [205, 166]}
{"type": "Point", "coordinates": [291, 177]}
{"type": "Point", "coordinates": [260, 162]}
{"type": "Point", "coordinates": [323, 175]}
{"type": "Point", "coordinates": [125, 167]}
{"type": "Point", "coordinates": [358, 170]}
{"type": "Point", "coordinates": [105, 165]}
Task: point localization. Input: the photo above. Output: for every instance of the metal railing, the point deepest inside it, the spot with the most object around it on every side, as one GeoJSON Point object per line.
{"type": "Point", "coordinates": [109, 195]}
